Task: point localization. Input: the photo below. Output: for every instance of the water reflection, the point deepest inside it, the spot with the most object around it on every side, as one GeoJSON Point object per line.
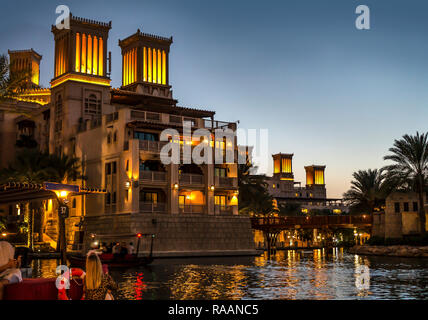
{"type": "Point", "coordinates": [304, 274]}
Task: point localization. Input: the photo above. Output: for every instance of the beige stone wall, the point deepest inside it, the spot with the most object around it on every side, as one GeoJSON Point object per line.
{"type": "Point", "coordinates": [378, 227]}
{"type": "Point", "coordinates": [176, 235]}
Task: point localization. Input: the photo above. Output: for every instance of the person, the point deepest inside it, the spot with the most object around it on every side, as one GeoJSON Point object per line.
{"type": "Point", "coordinates": [9, 267]}
{"type": "Point", "coordinates": [96, 284]}
{"type": "Point", "coordinates": [123, 249]}
{"type": "Point", "coordinates": [130, 248]}
{"type": "Point", "coordinates": [116, 250]}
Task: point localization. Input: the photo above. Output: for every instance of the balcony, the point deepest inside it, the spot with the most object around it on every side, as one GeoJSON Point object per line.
{"type": "Point", "coordinates": [192, 209]}
{"type": "Point", "coordinates": [191, 179]}
{"type": "Point", "coordinates": [152, 207]}
{"type": "Point", "coordinates": [223, 210]}
{"type": "Point", "coordinates": [152, 176]}
{"type": "Point", "coordinates": [225, 182]}
{"type": "Point", "coordinates": [151, 146]}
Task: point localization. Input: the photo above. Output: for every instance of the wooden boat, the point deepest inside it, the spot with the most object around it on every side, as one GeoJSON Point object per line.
{"type": "Point", "coordinates": [127, 261]}
{"type": "Point", "coordinates": [117, 261]}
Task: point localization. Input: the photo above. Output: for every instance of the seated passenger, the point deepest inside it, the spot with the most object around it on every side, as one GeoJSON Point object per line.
{"type": "Point", "coordinates": [9, 267]}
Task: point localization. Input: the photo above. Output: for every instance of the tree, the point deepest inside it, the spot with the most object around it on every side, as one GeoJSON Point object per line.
{"type": "Point", "coordinates": [410, 167]}
{"type": "Point", "coordinates": [368, 190]}
{"type": "Point", "coordinates": [11, 84]}
{"type": "Point", "coordinates": [254, 197]}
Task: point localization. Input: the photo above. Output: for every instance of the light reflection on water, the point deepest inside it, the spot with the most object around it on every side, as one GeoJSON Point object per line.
{"type": "Point", "coordinates": [310, 274]}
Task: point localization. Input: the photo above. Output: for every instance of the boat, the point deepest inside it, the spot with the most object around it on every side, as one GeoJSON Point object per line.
{"type": "Point", "coordinates": [116, 261]}
{"type": "Point", "coordinates": [127, 261]}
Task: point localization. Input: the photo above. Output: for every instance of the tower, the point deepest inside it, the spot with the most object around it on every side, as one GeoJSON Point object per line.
{"type": "Point", "coordinates": [145, 64]}
{"type": "Point", "coordinates": [315, 182]}
{"type": "Point", "coordinates": [283, 167]}
{"type": "Point", "coordinates": [26, 60]}
{"type": "Point", "coordinates": [80, 88]}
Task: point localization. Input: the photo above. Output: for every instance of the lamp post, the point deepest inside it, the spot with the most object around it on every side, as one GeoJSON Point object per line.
{"type": "Point", "coordinates": [62, 215]}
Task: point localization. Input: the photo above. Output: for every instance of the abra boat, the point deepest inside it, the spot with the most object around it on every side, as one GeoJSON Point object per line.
{"type": "Point", "coordinates": [116, 261]}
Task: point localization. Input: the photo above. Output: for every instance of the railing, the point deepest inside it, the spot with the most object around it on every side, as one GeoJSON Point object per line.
{"type": "Point", "coordinates": [189, 178]}
{"type": "Point", "coordinates": [157, 117]}
{"type": "Point", "coordinates": [192, 208]}
{"type": "Point", "coordinates": [152, 146]}
{"type": "Point", "coordinates": [314, 221]}
{"type": "Point", "coordinates": [152, 207]}
{"type": "Point", "coordinates": [152, 176]}
{"type": "Point", "coordinates": [225, 181]}
{"type": "Point", "coordinates": [223, 210]}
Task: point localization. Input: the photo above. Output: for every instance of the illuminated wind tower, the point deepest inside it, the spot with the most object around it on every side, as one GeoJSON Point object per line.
{"type": "Point", "coordinates": [315, 181]}
{"type": "Point", "coordinates": [145, 64]}
{"type": "Point", "coordinates": [81, 85]}
{"type": "Point", "coordinates": [26, 60]}
{"type": "Point", "coordinates": [283, 167]}
{"type": "Point", "coordinates": [81, 52]}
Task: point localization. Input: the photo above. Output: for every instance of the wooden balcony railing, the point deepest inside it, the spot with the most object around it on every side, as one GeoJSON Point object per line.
{"type": "Point", "coordinates": [225, 181]}
{"type": "Point", "coordinates": [223, 210]}
{"type": "Point", "coordinates": [152, 176]}
{"type": "Point", "coordinates": [189, 179]}
{"type": "Point", "coordinates": [192, 208]}
{"type": "Point", "coordinates": [151, 146]}
{"type": "Point", "coordinates": [152, 207]}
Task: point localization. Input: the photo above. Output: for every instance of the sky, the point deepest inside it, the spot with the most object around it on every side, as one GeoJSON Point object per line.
{"type": "Point", "coordinates": [329, 93]}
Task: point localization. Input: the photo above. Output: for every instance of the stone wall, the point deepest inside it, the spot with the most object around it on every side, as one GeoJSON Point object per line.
{"type": "Point", "coordinates": [378, 227]}
{"type": "Point", "coordinates": [175, 235]}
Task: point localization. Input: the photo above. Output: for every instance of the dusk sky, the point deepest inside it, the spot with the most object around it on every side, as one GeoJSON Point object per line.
{"type": "Point", "coordinates": [328, 92]}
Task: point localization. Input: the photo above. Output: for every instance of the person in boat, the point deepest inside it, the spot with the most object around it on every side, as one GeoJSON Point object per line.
{"type": "Point", "coordinates": [123, 250]}
{"type": "Point", "coordinates": [116, 250]}
{"type": "Point", "coordinates": [96, 284]}
{"type": "Point", "coordinates": [9, 267]}
{"type": "Point", "coordinates": [130, 248]}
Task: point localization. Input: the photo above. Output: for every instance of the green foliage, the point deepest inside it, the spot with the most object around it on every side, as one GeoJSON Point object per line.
{"type": "Point", "coordinates": [368, 191]}
{"type": "Point", "coordinates": [410, 167]}
{"type": "Point", "coordinates": [290, 209]}
{"type": "Point", "coordinates": [254, 198]}
{"type": "Point", "coordinates": [11, 84]}
{"type": "Point", "coordinates": [32, 166]}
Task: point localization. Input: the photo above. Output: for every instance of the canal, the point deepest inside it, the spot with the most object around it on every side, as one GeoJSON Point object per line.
{"type": "Point", "coordinates": [311, 274]}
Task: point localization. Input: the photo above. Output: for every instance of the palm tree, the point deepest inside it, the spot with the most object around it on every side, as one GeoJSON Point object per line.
{"type": "Point", "coordinates": [368, 190]}
{"type": "Point", "coordinates": [410, 167]}
{"type": "Point", "coordinates": [11, 84]}
{"type": "Point", "coordinates": [63, 168]}
{"type": "Point", "coordinates": [253, 194]}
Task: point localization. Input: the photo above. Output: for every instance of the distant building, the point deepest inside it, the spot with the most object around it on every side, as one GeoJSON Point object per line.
{"type": "Point", "coordinates": [400, 218]}
{"type": "Point", "coordinates": [313, 195]}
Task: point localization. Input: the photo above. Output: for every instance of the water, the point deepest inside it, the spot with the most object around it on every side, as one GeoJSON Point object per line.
{"type": "Point", "coordinates": [311, 274]}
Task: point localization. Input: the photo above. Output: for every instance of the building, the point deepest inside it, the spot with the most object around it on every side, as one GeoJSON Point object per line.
{"type": "Point", "coordinates": [115, 132]}
{"type": "Point", "coordinates": [312, 196]}
{"type": "Point", "coordinates": [400, 217]}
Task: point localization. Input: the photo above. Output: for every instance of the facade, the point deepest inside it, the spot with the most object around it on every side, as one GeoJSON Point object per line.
{"type": "Point", "coordinates": [400, 218]}
{"type": "Point", "coordinates": [313, 195]}
{"type": "Point", "coordinates": [115, 132]}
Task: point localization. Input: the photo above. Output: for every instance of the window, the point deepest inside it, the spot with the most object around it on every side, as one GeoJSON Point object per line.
{"type": "Point", "coordinates": [220, 172]}
{"type": "Point", "coordinates": [415, 206]}
{"type": "Point", "coordinates": [406, 207]}
{"type": "Point", "coordinates": [108, 168]}
{"type": "Point", "coordinates": [149, 197]}
{"type": "Point", "coordinates": [220, 200]}
{"type": "Point", "coordinates": [108, 198]}
{"type": "Point", "coordinates": [114, 168]}
{"type": "Point", "coordinates": [147, 136]}
{"type": "Point", "coordinates": [115, 136]}
{"type": "Point", "coordinates": [93, 107]}
{"type": "Point", "coordinates": [74, 203]}
{"type": "Point", "coordinates": [113, 198]}
{"type": "Point", "coordinates": [397, 207]}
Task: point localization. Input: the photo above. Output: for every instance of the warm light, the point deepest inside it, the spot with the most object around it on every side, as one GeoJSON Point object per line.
{"type": "Point", "coordinates": [139, 235]}
{"type": "Point", "coordinates": [127, 184]}
{"type": "Point", "coordinates": [176, 186]}
{"type": "Point", "coordinates": [188, 197]}
{"type": "Point", "coordinates": [80, 78]}
{"type": "Point", "coordinates": [61, 194]}
{"type": "Point", "coordinates": [4, 234]}
{"type": "Point", "coordinates": [212, 188]}
{"type": "Point", "coordinates": [304, 210]}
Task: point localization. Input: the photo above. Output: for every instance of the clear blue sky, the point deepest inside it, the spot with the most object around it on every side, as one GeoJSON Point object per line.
{"type": "Point", "coordinates": [327, 92]}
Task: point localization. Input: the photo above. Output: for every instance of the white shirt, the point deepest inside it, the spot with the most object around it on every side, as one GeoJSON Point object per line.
{"type": "Point", "coordinates": [7, 253]}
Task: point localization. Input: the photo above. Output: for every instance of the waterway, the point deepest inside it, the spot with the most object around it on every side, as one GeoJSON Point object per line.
{"type": "Point", "coordinates": [311, 274]}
